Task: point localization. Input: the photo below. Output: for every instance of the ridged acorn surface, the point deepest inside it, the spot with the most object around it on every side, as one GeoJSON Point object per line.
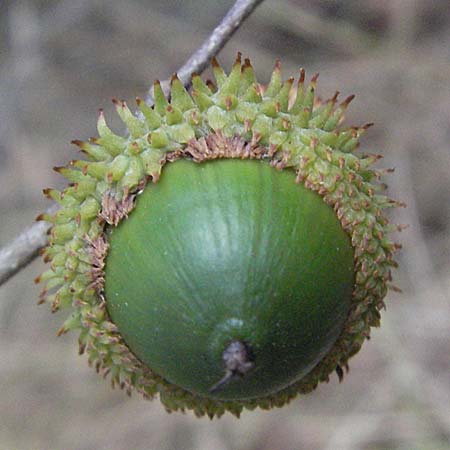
{"type": "Point", "coordinates": [250, 269]}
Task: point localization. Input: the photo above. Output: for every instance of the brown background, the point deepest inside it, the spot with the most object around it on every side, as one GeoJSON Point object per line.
{"type": "Point", "coordinates": [62, 60]}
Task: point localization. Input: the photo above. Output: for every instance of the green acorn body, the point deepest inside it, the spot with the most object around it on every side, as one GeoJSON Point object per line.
{"type": "Point", "coordinates": [229, 251]}
{"type": "Point", "coordinates": [251, 268]}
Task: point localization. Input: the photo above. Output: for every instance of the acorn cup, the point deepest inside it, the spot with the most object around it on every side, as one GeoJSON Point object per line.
{"type": "Point", "coordinates": [231, 252]}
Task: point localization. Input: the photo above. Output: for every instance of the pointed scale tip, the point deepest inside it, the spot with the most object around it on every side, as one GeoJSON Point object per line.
{"type": "Point", "coordinates": [301, 78]}
{"type": "Point", "coordinates": [335, 96]}
{"type": "Point", "coordinates": [214, 62]}
{"type": "Point", "coordinates": [119, 103]}
{"type": "Point", "coordinates": [58, 169]}
{"type": "Point", "coordinates": [277, 67]}
{"type": "Point", "coordinates": [101, 115]}
{"type": "Point", "coordinates": [247, 63]}
{"type": "Point", "coordinates": [314, 78]}
{"type": "Point", "coordinates": [174, 78]}
{"type": "Point", "coordinates": [238, 59]}
{"type": "Point", "coordinates": [347, 101]}
{"type": "Point", "coordinates": [77, 142]}
{"type": "Point", "coordinates": [139, 101]}
{"type": "Point", "coordinates": [61, 331]}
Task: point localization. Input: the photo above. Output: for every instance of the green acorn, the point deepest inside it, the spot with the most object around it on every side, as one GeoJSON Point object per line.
{"type": "Point", "coordinates": [250, 269]}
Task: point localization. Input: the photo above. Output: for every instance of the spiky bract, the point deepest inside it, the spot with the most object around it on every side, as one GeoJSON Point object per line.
{"type": "Point", "coordinates": [283, 123]}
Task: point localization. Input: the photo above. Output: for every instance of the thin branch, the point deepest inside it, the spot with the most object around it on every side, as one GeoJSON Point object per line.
{"type": "Point", "coordinates": [25, 248]}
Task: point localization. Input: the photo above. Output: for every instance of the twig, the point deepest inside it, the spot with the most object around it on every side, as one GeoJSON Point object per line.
{"type": "Point", "coordinates": [23, 249]}
{"type": "Point", "coordinates": [26, 246]}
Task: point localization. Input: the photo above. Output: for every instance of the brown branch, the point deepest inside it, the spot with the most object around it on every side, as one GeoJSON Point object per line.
{"type": "Point", "coordinates": [26, 246]}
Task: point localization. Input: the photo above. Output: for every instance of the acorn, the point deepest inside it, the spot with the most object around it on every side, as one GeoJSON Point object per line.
{"type": "Point", "coordinates": [231, 251]}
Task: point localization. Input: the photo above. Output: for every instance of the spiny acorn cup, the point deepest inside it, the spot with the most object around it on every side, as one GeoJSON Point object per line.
{"type": "Point", "coordinates": [252, 267]}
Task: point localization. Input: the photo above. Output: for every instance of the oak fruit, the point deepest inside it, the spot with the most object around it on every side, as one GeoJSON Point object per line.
{"type": "Point", "coordinates": [250, 268]}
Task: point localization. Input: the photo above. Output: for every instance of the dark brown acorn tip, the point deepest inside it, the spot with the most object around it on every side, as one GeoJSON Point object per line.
{"type": "Point", "coordinates": [238, 361]}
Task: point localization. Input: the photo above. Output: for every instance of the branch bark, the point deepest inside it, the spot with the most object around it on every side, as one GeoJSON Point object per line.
{"type": "Point", "coordinates": [25, 248]}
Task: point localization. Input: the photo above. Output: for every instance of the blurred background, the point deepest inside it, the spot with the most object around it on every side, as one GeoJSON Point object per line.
{"type": "Point", "coordinates": [61, 60]}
